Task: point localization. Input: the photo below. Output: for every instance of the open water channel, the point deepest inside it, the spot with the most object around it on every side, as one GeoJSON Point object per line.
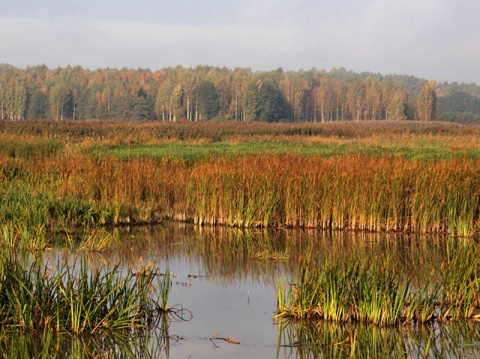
{"type": "Point", "coordinates": [227, 280]}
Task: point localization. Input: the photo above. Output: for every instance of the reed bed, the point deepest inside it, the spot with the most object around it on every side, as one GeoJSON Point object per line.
{"type": "Point", "coordinates": [379, 291]}
{"type": "Point", "coordinates": [350, 192]}
{"type": "Point", "coordinates": [67, 185]}
{"type": "Point", "coordinates": [76, 300]}
{"type": "Point", "coordinates": [128, 132]}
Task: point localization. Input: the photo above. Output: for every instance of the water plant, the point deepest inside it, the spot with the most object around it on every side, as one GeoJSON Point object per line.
{"type": "Point", "coordinates": [74, 299]}
{"type": "Point", "coordinates": [283, 180]}
{"type": "Point", "coordinates": [362, 291]}
{"type": "Point", "coordinates": [376, 290]}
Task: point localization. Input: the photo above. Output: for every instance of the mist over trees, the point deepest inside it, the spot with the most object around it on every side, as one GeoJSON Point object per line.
{"type": "Point", "coordinates": [212, 93]}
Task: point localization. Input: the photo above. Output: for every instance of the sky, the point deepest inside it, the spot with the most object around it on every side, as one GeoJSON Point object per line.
{"type": "Point", "coordinates": [431, 39]}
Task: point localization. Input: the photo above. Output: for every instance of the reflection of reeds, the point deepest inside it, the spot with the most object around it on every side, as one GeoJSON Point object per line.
{"type": "Point", "coordinates": [348, 340]}
{"type": "Point", "coordinates": [96, 240]}
{"type": "Point", "coordinates": [17, 344]}
{"type": "Point", "coordinates": [461, 283]}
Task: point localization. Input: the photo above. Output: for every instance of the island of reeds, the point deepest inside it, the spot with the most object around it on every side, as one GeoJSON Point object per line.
{"type": "Point", "coordinates": [373, 176]}
{"type": "Point", "coordinates": [360, 289]}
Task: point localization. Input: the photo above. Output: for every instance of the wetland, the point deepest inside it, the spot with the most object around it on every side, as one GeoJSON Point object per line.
{"type": "Point", "coordinates": [239, 240]}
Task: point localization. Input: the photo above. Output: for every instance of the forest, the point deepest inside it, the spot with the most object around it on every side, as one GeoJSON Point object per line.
{"type": "Point", "coordinates": [214, 93]}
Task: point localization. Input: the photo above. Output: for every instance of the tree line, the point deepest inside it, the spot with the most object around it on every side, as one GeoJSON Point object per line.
{"type": "Point", "coordinates": [210, 93]}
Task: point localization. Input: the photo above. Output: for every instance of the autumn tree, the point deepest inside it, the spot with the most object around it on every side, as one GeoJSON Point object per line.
{"type": "Point", "coordinates": [240, 79]}
{"type": "Point", "coordinates": [163, 105]}
{"type": "Point", "coordinates": [427, 102]}
{"type": "Point", "coordinates": [176, 102]}
{"type": "Point", "coordinates": [396, 108]}
{"type": "Point", "coordinates": [324, 95]}
{"type": "Point", "coordinates": [61, 101]}
{"type": "Point", "coordinates": [356, 99]}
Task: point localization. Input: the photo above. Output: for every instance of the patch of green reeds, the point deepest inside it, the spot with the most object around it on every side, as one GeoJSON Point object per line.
{"type": "Point", "coordinates": [30, 218]}
{"type": "Point", "coordinates": [354, 290]}
{"type": "Point", "coordinates": [375, 290]}
{"type": "Point", "coordinates": [460, 293]}
{"type": "Point", "coordinates": [74, 299]}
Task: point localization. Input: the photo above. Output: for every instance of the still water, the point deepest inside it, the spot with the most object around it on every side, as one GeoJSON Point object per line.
{"type": "Point", "coordinates": [227, 280]}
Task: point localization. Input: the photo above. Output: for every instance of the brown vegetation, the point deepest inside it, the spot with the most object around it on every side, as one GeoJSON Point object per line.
{"type": "Point", "coordinates": [364, 191]}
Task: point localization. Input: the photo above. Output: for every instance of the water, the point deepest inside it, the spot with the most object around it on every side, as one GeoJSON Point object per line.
{"type": "Point", "coordinates": [242, 312]}
{"type": "Point", "coordinates": [229, 298]}
{"type": "Point", "coordinates": [228, 281]}
{"type": "Point", "coordinates": [233, 295]}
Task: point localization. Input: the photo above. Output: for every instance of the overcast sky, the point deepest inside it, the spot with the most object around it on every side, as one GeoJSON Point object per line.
{"type": "Point", "coordinates": [432, 39]}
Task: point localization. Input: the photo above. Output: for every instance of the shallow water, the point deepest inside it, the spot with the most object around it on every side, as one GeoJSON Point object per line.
{"type": "Point", "coordinates": [227, 280]}
{"type": "Point", "coordinates": [227, 298]}
{"type": "Point", "coordinates": [234, 295]}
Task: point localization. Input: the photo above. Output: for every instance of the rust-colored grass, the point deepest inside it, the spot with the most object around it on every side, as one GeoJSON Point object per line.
{"type": "Point", "coordinates": [358, 191]}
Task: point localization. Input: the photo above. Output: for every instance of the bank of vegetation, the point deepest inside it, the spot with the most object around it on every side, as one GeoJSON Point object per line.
{"type": "Point", "coordinates": [404, 177]}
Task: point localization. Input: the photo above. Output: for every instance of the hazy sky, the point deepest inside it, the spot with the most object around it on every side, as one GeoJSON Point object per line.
{"type": "Point", "coordinates": [432, 39]}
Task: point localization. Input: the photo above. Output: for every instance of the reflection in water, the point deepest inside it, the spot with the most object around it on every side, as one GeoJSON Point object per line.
{"type": "Point", "coordinates": [17, 344]}
{"type": "Point", "coordinates": [228, 277]}
{"type": "Point", "coordinates": [331, 340]}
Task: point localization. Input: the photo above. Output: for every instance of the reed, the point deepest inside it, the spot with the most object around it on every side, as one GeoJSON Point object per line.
{"type": "Point", "coordinates": [277, 179]}
{"type": "Point", "coordinates": [355, 290]}
{"type": "Point", "coordinates": [375, 290]}
{"type": "Point", "coordinates": [460, 296]}
{"type": "Point", "coordinates": [74, 299]}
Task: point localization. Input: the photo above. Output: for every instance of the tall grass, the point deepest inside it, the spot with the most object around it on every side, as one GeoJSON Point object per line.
{"type": "Point", "coordinates": [379, 291]}
{"type": "Point", "coordinates": [74, 299]}
{"type": "Point", "coordinates": [355, 189]}
{"type": "Point", "coordinates": [356, 192]}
